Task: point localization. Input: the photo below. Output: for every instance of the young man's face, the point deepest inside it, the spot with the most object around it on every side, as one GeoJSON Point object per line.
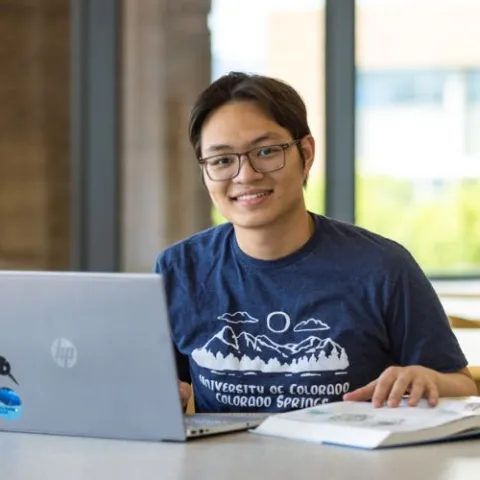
{"type": "Point", "coordinates": [253, 199]}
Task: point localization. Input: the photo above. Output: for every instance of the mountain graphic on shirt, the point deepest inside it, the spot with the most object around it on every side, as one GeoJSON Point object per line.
{"type": "Point", "coordinates": [246, 352]}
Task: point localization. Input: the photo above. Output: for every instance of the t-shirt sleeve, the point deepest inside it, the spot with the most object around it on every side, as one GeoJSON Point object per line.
{"type": "Point", "coordinates": [183, 364]}
{"type": "Point", "coordinates": [419, 330]}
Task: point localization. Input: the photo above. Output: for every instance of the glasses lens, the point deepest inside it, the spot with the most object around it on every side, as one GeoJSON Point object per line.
{"type": "Point", "coordinates": [268, 159]}
{"type": "Point", "coordinates": [222, 167]}
{"type": "Point", "coordinates": [263, 159]}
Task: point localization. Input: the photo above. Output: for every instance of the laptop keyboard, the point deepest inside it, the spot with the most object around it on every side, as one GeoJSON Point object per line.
{"type": "Point", "coordinates": [199, 420]}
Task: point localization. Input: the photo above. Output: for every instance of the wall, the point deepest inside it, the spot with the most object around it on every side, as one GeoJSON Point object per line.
{"type": "Point", "coordinates": [34, 134]}
{"type": "Point", "coordinates": [165, 63]}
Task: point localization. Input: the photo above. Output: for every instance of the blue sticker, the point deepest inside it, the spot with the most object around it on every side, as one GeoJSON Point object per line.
{"type": "Point", "coordinates": [10, 404]}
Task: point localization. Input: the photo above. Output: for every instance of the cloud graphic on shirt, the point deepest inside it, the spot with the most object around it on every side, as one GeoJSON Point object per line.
{"type": "Point", "coordinates": [237, 317]}
{"type": "Point", "coordinates": [311, 325]}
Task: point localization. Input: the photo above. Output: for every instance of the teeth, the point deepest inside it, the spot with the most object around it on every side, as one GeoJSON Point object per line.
{"type": "Point", "coordinates": [251, 196]}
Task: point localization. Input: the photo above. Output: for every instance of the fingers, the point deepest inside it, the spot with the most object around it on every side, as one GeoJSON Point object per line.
{"type": "Point", "coordinates": [417, 385]}
{"type": "Point", "coordinates": [433, 395]}
{"type": "Point", "coordinates": [394, 383]}
{"type": "Point", "coordinates": [422, 388]}
{"type": "Point", "coordinates": [185, 392]}
{"type": "Point", "coordinates": [417, 391]}
{"type": "Point", "coordinates": [361, 394]}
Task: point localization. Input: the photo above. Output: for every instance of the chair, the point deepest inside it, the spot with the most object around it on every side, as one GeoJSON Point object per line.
{"type": "Point", "coordinates": [459, 322]}
{"type": "Point", "coordinates": [191, 405]}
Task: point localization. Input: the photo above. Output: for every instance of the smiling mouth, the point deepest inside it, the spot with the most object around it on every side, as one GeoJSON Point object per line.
{"type": "Point", "coordinates": [252, 196]}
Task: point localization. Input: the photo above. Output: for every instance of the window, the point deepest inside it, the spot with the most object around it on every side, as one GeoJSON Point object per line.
{"type": "Point", "coordinates": [380, 89]}
{"type": "Point", "coordinates": [418, 118]}
{"type": "Point", "coordinates": [473, 86]}
{"type": "Point", "coordinates": [473, 114]}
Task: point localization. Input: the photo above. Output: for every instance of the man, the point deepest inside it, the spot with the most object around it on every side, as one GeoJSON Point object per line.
{"type": "Point", "coordinates": [279, 308]}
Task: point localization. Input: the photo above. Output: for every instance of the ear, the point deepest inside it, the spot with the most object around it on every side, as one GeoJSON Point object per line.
{"type": "Point", "coordinates": [308, 148]}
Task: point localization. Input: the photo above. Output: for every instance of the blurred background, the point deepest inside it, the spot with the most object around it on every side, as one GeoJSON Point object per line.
{"type": "Point", "coordinates": [96, 172]}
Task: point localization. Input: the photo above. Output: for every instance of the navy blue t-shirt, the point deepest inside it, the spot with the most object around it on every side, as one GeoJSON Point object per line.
{"type": "Point", "coordinates": [256, 335]}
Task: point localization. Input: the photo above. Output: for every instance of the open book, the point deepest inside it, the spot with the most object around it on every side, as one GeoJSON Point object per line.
{"type": "Point", "coordinates": [359, 424]}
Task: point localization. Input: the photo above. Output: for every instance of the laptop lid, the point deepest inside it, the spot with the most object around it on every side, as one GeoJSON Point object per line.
{"type": "Point", "coordinates": [87, 354]}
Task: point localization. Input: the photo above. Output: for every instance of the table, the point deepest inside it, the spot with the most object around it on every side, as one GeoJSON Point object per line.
{"type": "Point", "coordinates": [241, 456]}
{"type": "Point", "coordinates": [465, 304]}
{"type": "Point", "coordinates": [467, 308]}
{"type": "Point", "coordinates": [457, 288]}
{"type": "Point", "coordinates": [469, 339]}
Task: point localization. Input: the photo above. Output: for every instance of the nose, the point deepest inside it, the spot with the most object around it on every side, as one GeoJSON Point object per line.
{"type": "Point", "coordinates": [247, 173]}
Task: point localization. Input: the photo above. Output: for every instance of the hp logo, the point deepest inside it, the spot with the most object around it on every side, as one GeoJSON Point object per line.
{"type": "Point", "coordinates": [64, 352]}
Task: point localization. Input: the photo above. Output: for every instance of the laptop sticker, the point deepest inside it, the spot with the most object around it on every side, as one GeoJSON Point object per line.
{"type": "Point", "coordinates": [10, 402]}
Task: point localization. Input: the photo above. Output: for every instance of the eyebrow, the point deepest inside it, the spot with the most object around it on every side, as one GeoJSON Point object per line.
{"type": "Point", "coordinates": [258, 140]}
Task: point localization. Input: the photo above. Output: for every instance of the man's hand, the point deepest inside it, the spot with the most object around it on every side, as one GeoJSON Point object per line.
{"type": "Point", "coordinates": [185, 392]}
{"type": "Point", "coordinates": [395, 382]}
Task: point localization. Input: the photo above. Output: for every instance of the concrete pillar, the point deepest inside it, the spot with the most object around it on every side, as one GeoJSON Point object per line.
{"type": "Point", "coordinates": [165, 64]}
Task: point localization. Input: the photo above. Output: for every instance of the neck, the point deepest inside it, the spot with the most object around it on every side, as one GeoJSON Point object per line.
{"type": "Point", "coordinates": [278, 240]}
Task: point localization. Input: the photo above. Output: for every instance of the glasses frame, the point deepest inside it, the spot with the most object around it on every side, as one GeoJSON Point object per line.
{"type": "Point", "coordinates": [203, 161]}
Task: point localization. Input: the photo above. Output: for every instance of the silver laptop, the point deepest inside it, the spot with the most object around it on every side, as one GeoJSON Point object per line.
{"type": "Point", "coordinates": [90, 354]}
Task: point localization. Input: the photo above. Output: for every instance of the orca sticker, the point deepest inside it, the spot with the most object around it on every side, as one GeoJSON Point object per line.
{"type": "Point", "coordinates": [10, 402]}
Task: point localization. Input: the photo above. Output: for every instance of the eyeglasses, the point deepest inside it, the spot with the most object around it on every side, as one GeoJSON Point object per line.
{"type": "Point", "coordinates": [226, 166]}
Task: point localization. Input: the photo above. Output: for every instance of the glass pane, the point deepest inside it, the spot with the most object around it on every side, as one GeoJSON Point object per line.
{"type": "Point", "coordinates": [418, 118]}
{"type": "Point", "coordinates": [282, 39]}
{"type": "Point", "coordinates": [34, 134]}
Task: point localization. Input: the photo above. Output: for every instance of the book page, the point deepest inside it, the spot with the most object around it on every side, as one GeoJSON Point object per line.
{"type": "Point", "coordinates": [402, 418]}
